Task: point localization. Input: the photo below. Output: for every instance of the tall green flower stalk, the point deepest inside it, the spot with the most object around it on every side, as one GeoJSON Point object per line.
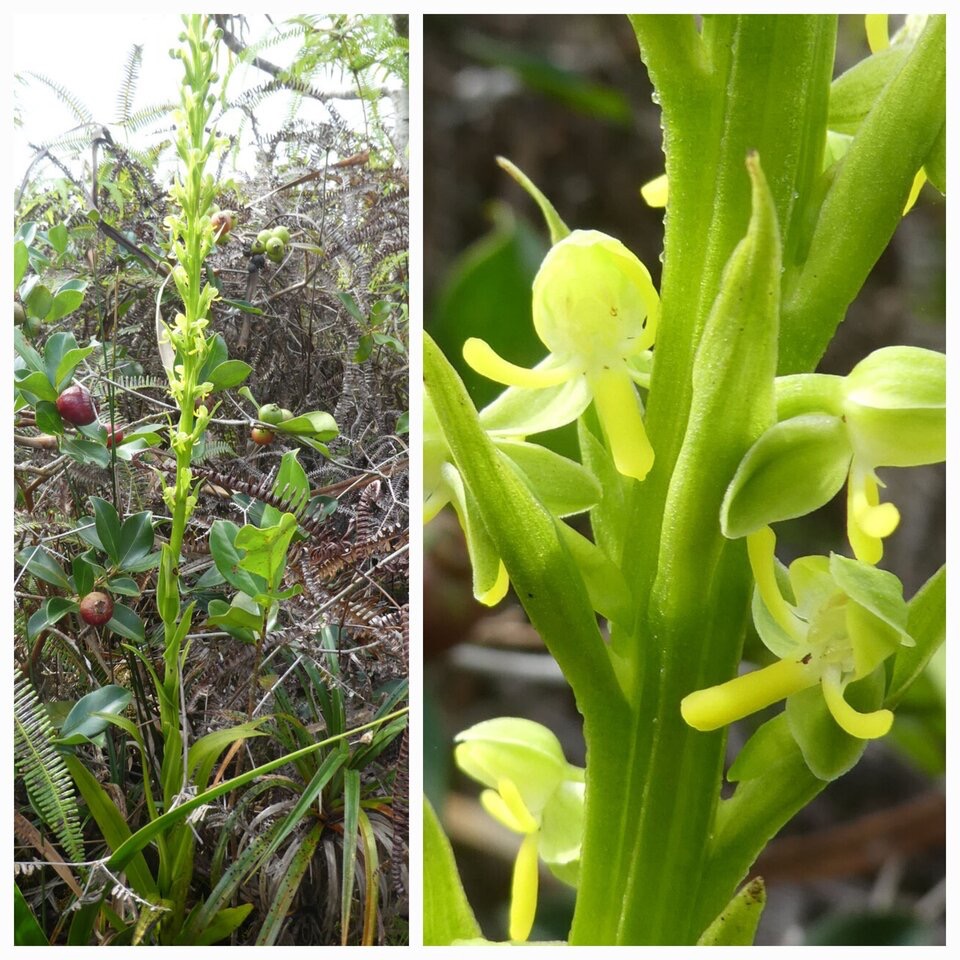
{"type": "Point", "coordinates": [768, 240]}
{"type": "Point", "coordinates": [184, 347]}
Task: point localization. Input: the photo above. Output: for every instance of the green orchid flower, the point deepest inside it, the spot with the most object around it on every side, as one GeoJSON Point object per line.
{"type": "Point", "coordinates": [888, 412]}
{"type": "Point", "coordinates": [564, 486]}
{"type": "Point", "coordinates": [532, 791]}
{"type": "Point", "coordinates": [843, 620]}
{"type": "Point", "coordinates": [595, 308]}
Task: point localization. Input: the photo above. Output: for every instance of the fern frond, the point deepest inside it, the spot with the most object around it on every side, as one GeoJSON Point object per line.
{"type": "Point", "coordinates": [44, 773]}
{"type": "Point", "coordinates": [146, 115]}
{"type": "Point", "coordinates": [74, 140]}
{"type": "Point", "coordinates": [214, 449]}
{"type": "Point", "coordinates": [73, 103]}
{"type": "Point", "coordinates": [272, 39]}
{"type": "Point", "coordinates": [128, 88]}
{"type": "Point", "coordinates": [141, 383]}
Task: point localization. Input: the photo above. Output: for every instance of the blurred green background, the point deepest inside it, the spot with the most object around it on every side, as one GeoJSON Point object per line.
{"type": "Point", "coordinates": [567, 99]}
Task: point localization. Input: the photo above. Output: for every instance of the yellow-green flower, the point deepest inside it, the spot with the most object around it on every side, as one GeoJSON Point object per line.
{"type": "Point", "coordinates": [595, 309]}
{"type": "Point", "coordinates": [563, 486]}
{"type": "Point", "coordinates": [846, 618]}
{"type": "Point", "coordinates": [888, 412]}
{"type": "Point", "coordinates": [532, 791]}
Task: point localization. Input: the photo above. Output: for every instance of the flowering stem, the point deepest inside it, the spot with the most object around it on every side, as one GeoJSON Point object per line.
{"type": "Point", "coordinates": [661, 782]}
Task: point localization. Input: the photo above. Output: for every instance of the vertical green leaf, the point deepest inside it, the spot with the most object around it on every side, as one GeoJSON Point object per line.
{"type": "Point", "coordinates": [112, 825]}
{"type": "Point", "coordinates": [27, 932]}
{"type": "Point", "coordinates": [446, 913]}
{"type": "Point", "coordinates": [351, 810]}
{"type": "Point", "coordinates": [289, 885]}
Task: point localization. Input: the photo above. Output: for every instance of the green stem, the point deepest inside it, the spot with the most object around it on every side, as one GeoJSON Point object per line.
{"type": "Point", "coordinates": [659, 786]}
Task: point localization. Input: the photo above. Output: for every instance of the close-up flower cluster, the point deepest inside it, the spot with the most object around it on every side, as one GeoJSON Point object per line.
{"type": "Point", "coordinates": [628, 482]}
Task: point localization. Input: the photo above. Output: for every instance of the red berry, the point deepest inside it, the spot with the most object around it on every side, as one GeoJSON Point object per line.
{"type": "Point", "coordinates": [76, 406]}
{"type": "Point", "coordinates": [261, 436]}
{"type": "Point", "coordinates": [114, 436]}
{"type": "Point", "coordinates": [96, 608]}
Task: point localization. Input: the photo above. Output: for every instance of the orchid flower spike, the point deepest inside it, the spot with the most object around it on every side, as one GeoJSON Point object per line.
{"type": "Point", "coordinates": [595, 308]}
{"type": "Point", "coordinates": [846, 618]}
{"type": "Point", "coordinates": [533, 791]}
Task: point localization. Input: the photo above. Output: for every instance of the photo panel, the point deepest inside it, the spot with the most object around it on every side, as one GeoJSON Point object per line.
{"type": "Point", "coordinates": [211, 480]}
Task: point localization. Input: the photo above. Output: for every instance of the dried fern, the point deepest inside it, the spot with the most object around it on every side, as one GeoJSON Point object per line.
{"type": "Point", "coordinates": [45, 776]}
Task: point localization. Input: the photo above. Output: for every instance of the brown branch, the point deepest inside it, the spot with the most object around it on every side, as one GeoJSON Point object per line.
{"type": "Point", "coordinates": [235, 44]}
{"type": "Point", "coordinates": [43, 442]}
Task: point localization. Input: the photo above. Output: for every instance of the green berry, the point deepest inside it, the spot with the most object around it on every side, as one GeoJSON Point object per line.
{"type": "Point", "coordinates": [275, 249]}
{"type": "Point", "coordinates": [270, 413]}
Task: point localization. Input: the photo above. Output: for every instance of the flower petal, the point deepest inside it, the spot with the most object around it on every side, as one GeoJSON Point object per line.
{"type": "Point", "coordinates": [760, 548]}
{"type": "Point", "coordinates": [868, 520]}
{"type": "Point", "coordinates": [499, 809]}
{"type": "Point", "coordinates": [561, 831]}
{"type": "Point", "coordinates": [486, 361]}
{"type": "Point", "coordinates": [656, 191]}
{"type": "Point", "coordinates": [894, 404]}
{"type": "Point", "coordinates": [878, 33]}
{"type": "Point", "coordinates": [514, 802]}
{"type": "Point", "coordinates": [515, 749]}
{"type": "Point", "coordinates": [523, 894]}
{"type": "Point", "coordinates": [520, 412]}
{"type": "Point", "coordinates": [795, 467]}
{"type": "Point", "coordinates": [717, 706]}
{"type": "Point", "coordinates": [506, 806]}
{"type": "Point", "coordinates": [490, 581]}
{"type": "Point", "coordinates": [865, 726]}
{"type": "Point", "coordinates": [619, 412]}
{"type": "Point", "coordinates": [594, 300]}
{"type": "Point", "coordinates": [498, 590]}
{"type": "Point", "coordinates": [918, 181]}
